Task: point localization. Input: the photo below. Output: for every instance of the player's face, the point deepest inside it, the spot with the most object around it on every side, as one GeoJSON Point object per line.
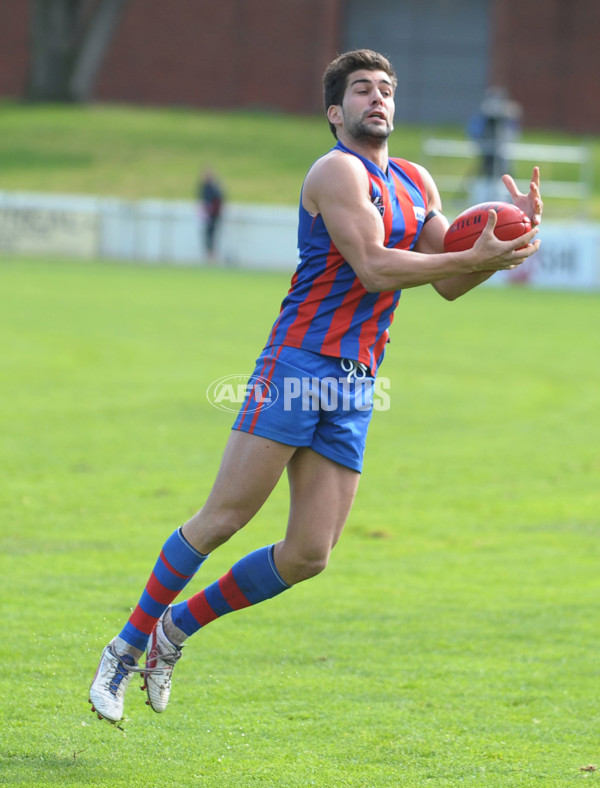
{"type": "Point", "coordinates": [368, 105]}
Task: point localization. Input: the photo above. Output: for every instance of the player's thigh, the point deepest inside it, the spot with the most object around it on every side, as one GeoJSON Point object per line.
{"type": "Point", "coordinates": [321, 496]}
{"type": "Point", "coordinates": [250, 468]}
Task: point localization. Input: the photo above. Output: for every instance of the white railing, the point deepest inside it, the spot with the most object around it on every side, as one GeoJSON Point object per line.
{"type": "Point", "coordinates": [579, 156]}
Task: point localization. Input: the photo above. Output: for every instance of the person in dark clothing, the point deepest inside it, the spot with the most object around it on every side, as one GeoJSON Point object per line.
{"type": "Point", "coordinates": [210, 199]}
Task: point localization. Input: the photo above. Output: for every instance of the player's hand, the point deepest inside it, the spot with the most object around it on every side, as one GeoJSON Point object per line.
{"type": "Point", "coordinates": [530, 203]}
{"type": "Point", "coordinates": [496, 255]}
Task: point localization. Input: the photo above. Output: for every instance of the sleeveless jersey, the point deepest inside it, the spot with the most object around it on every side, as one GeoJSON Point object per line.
{"type": "Point", "coordinates": [327, 310]}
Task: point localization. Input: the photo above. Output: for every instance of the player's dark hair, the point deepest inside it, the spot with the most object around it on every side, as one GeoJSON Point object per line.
{"type": "Point", "coordinates": [335, 78]}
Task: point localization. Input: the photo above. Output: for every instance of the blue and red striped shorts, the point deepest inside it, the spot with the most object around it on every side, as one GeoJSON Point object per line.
{"type": "Point", "coordinates": [302, 398]}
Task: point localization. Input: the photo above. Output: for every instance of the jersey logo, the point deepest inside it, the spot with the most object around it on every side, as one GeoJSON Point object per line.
{"type": "Point", "coordinates": [419, 213]}
{"type": "Point", "coordinates": [378, 203]}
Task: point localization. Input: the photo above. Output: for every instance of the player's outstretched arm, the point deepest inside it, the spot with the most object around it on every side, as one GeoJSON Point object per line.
{"type": "Point", "coordinates": [337, 187]}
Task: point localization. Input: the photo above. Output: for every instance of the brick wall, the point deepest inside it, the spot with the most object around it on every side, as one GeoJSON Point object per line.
{"type": "Point", "coordinates": [231, 53]}
{"type": "Point", "coordinates": [14, 48]}
{"type": "Point", "coordinates": [547, 53]}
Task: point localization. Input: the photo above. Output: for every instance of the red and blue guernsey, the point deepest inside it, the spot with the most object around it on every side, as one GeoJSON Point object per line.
{"type": "Point", "coordinates": [327, 310]}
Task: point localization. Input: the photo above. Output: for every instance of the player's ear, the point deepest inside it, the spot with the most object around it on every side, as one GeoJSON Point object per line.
{"type": "Point", "coordinates": [334, 114]}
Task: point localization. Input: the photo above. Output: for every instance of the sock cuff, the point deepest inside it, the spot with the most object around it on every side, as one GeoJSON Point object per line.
{"type": "Point", "coordinates": [203, 556]}
{"type": "Point", "coordinates": [181, 555]}
{"type": "Point", "coordinates": [271, 555]}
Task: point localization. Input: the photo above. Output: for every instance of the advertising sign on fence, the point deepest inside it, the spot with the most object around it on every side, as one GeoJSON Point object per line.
{"type": "Point", "coordinates": [48, 231]}
{"type": "Point", "coordinates": [568, 259]}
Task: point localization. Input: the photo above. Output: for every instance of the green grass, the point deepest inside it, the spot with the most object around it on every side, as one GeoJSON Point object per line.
{"type": "Point", "coordinates": [262, 158]}
{"type": "Point", "coordinates": [452, 641]}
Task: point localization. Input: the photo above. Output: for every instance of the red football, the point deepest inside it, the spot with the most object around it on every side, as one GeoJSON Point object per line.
{"type": "Point", "coordinates": [468, 226]}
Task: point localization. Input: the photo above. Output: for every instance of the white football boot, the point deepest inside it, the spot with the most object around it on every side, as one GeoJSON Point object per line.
{"type": "Point", "coordinates": [107, 692]}
{"type": "Point", "coordinates": [161, 657]}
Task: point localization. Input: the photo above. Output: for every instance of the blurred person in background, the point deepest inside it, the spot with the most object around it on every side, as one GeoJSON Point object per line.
{"type": "Point", "coordinates": [494, 128]}
{"type": "Point", "coordinates": [210, 197]}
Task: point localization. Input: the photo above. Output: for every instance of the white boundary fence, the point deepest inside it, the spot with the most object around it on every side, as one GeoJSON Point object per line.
{"type": "Point", "coordinates": [152, 231]}
{"type": "Point", "coordinates": [579, 188]}
{"type": "Point", "coordinates": [146, 231]}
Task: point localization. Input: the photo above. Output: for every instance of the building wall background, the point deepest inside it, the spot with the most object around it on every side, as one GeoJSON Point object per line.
{"type": "Point", "coordinates": [233, 53]}
{"type": "Point", "coordinates": [270, 54]}
{"type": "Point", "coordinates": [548, 53]}
{"type": "Point", "coordinates": [439, 49]}
{"type": "Point", "coordinates": [14, 48]}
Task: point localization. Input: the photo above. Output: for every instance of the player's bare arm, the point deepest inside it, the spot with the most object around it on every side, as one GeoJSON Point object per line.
{"type": "Point", "coordinates": [337, 187]}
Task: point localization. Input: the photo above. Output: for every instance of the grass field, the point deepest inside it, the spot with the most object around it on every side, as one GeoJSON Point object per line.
{"type": "Point", "coordinates": [452, 641]}
{"type": "Point", "coordinates": [147, 153]}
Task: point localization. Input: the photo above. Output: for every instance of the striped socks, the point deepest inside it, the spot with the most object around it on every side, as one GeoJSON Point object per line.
{"type": "Point", "coordinates": [177, 564]}
{"type": "Point", "coordinates": [251, 580]}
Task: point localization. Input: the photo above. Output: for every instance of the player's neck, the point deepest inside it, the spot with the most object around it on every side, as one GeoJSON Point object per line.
{"type": "Point", "coordinates": [376, 150]}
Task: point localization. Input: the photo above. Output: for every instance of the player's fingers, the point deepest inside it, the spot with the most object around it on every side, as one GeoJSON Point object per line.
{"type": "Point", "coordinates": [518, 256]}
{"type": "Point", "coordinates": [511, 186]}
{"type": "Point", "coordinates": [525, 239]}
{"type": "Point", "coordinates": [534, 189]}
{"type": "Point", "coordinates": [520, 249]}
{"type": "Point", "coordinates": [491, 221]}
{"type": "Point", "coordinates": [523, 252]}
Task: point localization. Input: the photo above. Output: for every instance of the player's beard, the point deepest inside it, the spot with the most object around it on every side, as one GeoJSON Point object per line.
{"type": "Point", "coordinates": [360, 130]}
